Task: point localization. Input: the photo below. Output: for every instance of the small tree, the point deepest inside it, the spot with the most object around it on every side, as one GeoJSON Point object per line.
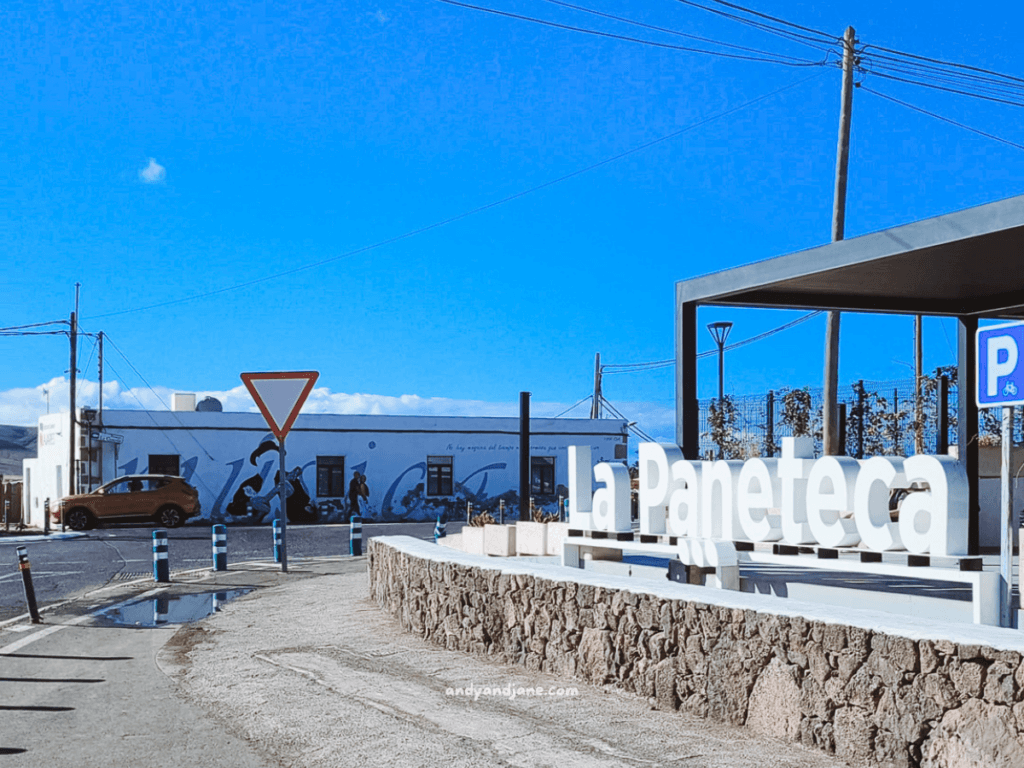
{"type": "Point", "coordinates": [798, 414]}
{"type": "Point", "coordinates": [723, 431]}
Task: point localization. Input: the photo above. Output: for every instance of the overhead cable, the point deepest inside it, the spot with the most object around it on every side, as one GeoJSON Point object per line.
{"type": "Point", "coordinates": [35, 325]}
{"type": "Point", "coordinates": [944, 119]}
{"type": "Point", "coordinates": [159, 399]}
{"type": "Point", "coordinates": [571, 407]}
{"type": "Point", "coordinates": [668, 31]}
{"type": "Point", "coordinates": [612, 369]}
{"type": "Point", "coordinates": [465, 214]}
{"type": "Point", "coordinates": [766, 57]}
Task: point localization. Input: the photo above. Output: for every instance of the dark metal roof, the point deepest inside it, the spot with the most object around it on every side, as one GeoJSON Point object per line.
{"type": "Point", "coordinates": [968, 263]}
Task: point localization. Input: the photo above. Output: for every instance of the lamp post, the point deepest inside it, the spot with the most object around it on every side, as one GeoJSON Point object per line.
{"type": "Point", "coordinates": [720, 332]}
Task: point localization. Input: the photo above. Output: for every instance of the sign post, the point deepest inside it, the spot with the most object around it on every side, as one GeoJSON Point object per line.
{"type": "Point", "coordinates": [279, 396]}
{"type": "Point", "coordinates": [1001, 384]}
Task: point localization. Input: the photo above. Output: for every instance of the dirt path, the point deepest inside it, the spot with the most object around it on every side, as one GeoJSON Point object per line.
{"type": "Point", "coordinates": [313, 674]}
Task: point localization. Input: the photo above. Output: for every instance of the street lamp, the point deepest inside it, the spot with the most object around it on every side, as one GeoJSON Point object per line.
{"type": "Point", "coordinates": [720, 332]}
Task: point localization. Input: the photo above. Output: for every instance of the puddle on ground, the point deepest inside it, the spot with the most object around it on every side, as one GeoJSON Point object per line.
{"type": "Point", "coordinates": [168, 609]}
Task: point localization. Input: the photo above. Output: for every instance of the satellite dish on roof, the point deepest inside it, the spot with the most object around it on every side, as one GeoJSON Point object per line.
{"type": "Point", "coordinates": [210, 405]}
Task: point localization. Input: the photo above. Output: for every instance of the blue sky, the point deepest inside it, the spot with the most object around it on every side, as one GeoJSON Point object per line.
{"type": "Point", "coordinates": [155, 154]}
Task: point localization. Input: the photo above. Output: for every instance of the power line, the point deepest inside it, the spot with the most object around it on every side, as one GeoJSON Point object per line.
{"type": "Point", "coordinates": [35, 325]}
{"type": "Point", "coordinates": [465, 214]}
{"type": "Point", "coordinates": [777, 20]}
{"type": "Point", "coordinates": [937, 87]}
{"type": "Point", "coordinates": [944, 119]}
{"type": "Point", "coordinates": [814, 40]}
{"type": "Point", "coordinates": [33, 333]}
{"type": "Point", "coordinates": [159, 399]}
{"type": "Point", "coordinates": [630, 426]}
{"type": "Point", "coordinates": [95, 343]}
{"type": "Point", "coordinates": [766, 56]}
{"type": "Point", "coordinates": [656, 364]}
{"type": "Point", "coordinates": [160, 429]}
{"type": "Point", "coordinates": [676, 32]}
{"type": "Point", "coordinates": [571, 407]}
{"type": "Point", "coordinates": [1005, 86]}
{"type": "Point", "coordinates": [945, 63]}
{"type": "Point", "coordinates": [890, 63]}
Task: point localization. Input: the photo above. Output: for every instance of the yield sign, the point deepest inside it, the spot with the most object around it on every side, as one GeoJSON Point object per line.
{"type": "Point", "coordinates": [280, 395]}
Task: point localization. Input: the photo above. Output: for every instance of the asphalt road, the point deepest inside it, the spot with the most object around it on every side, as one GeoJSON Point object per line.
{"type": "Point", "coordinates": [68, 568]}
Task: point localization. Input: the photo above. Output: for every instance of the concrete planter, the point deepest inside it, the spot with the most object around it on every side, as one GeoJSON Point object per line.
{"type": "Point", "coordinates": [531, 538]}
{"type": "Point", "coordinates": [499, 540]}
{"type": "Point", "coordinates": [556, 533]}
{"type": "Point", "coordinates": [473, 540]}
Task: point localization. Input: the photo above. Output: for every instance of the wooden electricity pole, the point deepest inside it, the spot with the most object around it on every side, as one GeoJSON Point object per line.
{"type": "Point", "coordinates": [595, 406]}
{"type": "Point", "coordinates": [830, 410]}
{"type": "Point", "coordinates": [72, 443]}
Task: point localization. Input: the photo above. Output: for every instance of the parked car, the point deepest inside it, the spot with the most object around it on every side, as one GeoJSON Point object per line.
{"type": "Point", "coordinates": [164, 499]}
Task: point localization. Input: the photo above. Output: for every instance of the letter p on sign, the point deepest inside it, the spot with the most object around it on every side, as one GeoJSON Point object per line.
{"type": "Point", "coordinates": [1002, 359]}
{"type": "Point", "coordinates": [1000, 381]}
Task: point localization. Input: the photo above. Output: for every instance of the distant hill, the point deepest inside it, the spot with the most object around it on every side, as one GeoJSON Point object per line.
{"type": "Point", "coordinates": [16, 444]}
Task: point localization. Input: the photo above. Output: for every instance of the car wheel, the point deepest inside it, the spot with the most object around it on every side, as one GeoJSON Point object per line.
{"type": "Point", "coordinates": [170, 516]}
{"type": "Point", "coordinates": [78, 519]}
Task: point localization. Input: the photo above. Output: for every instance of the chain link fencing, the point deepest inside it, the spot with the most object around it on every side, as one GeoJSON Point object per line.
{"type": "Point", "coordinates": [877, 418]}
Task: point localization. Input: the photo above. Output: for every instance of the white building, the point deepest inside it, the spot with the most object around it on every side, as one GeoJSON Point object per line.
{"type": "Point", "coordinates": [415, 467]}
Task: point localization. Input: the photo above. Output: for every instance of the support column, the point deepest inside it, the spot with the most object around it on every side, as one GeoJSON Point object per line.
{"type": "Point", "coordinates": [967, 424]}
{"type": "Point", "coordinates": [687, 404]}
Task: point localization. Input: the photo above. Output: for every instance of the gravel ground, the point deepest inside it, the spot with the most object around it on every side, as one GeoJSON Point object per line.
{"type": "Point", "coordinates": [311, 673]}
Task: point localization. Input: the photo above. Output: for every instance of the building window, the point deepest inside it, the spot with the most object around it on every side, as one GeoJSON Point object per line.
{"type": "Point", "coordinates": [439, 475]}
{"type": "Point", "coordinates": [164, 464]}
{"type": "Point", "coordinates": [330, 477]}
{"type": "Point", "coordinates": [542, 475]}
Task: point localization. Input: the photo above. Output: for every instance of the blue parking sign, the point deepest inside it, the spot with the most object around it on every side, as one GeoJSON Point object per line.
{"type": "Point", "coordinates": [1000, 365]}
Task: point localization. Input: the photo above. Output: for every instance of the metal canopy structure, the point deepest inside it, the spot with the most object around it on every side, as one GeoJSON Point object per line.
{"type": "Point", "coordinates": [968, 265]}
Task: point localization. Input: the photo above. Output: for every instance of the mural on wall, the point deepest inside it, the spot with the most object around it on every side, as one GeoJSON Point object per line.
{"type": "Point", "coordinates": [252, 501]}
{"type": "Point", "coordinates": [249, 495]}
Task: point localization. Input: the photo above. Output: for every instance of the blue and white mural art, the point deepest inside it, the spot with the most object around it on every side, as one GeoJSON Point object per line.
{"type": "Point", "coordinates": [384, 468]}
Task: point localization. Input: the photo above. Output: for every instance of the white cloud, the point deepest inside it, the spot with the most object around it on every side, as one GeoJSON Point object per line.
{"type": "Point", "coordinates": [23, 406]}
{"type": "Point", "coordinates": [154, 173]}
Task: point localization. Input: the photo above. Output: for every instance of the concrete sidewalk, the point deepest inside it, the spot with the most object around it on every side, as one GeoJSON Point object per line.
{"type": "Point", "coordinates": [306, 671]}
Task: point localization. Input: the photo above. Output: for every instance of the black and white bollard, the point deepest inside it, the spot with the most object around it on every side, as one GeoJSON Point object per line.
{"type": "Point", "coordinates": [30, 592]}
{"type": "Point", "coordinates": [277, 540]}
{"type": "Point", "coordinates": [161, 567]}
{"type": "Point", "coordinates": [220, 547]}
{"type": "Point", "coordinates": [161, 606]}
{"type": "Point", "coordinates": [355, 537]}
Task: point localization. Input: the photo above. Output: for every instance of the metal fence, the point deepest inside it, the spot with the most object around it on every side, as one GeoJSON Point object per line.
{"type": "Point", "coordinates": [877, 418]}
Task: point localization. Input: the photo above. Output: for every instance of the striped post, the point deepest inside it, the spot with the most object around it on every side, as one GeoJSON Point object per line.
{"type": "Point", "coordinates": [355, 537]}
{"type": "Point", "coordinates": [220, 547]}
{"type": "Point", "coordinates": [161, 606]}
{"type": "Point", "coordinates": [26, 578]}
{"type": "Point", "coordinates": [161, 567]}
{"type": "Point", "coordinates": [277, 540]}
{"type": "Point", "coordinates": [439, 532]}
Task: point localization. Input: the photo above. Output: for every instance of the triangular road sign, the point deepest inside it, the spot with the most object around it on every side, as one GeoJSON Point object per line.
{"type": "Point", "coordinates": [280, 396]}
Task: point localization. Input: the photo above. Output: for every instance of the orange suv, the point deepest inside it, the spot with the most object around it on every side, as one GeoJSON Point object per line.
{"type": "Point", "coordinates": [165, 499]}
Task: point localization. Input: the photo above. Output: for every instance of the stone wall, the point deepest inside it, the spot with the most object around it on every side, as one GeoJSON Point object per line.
{"type": "Point", "coordinates": [867, 696]}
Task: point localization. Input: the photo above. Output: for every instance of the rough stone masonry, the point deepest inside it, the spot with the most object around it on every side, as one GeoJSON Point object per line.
{"type": "Point", "coordinates": [867, 697]}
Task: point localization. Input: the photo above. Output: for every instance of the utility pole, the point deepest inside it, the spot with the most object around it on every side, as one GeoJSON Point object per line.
{"type": "Point", "coordinates": [595, 406]}
{"type": "Point", "coordinates": [73, 453]}
{"type": "Point", "coordinates": [830, 410]}
{"type": "Point", "coordinates": [99, 415]}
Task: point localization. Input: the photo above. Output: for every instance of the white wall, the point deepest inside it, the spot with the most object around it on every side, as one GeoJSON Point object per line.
{"type": "Point", "coordinates": [219, 454]}
{"type": "Point", "coordinates": [51, 465]}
